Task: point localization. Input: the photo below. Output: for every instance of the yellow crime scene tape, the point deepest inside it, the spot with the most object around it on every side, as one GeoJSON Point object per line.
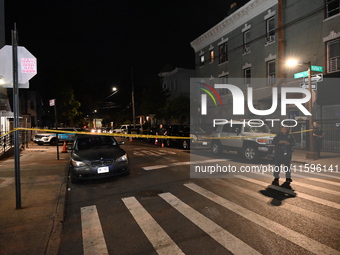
{"type": "Point", "coordinates": [144, 136]}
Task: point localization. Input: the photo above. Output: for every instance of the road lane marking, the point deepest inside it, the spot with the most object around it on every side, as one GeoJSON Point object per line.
{"type": "Point", "coordinates": [93, 237]}
{"type": "Point", "coordinates": [155, 167]}
{"type": "Point", "coordinates": [162, 243]}
{"type": "Point", "coordinates": [278, 229]}
{"type": "Point", "coordinates": [148, 168]}
{"type": "Point", "coordinates": [298, 194]}
{"type": "Point", "coordinates": [227, 240]}
{"type": "Point", "coordinates": [323, 220]}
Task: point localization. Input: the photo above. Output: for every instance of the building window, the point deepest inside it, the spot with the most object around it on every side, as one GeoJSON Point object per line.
{"type": "Point", "coordinates": [223, 53]}
{"type": "Point", "coordinates": [271, 73]}
{"type": "Point", "coordinates": [247, 76]}
{"type": "Point", "coordinates": [246, 40]}
{"type": "Point", "coordinates": [223, 80]}
{"type": "Point", "coordinates": [332, 7]}
{"type": "Point", "coordinates": [333, 56]}
{"type": "Point", "coordinates": [201, 60]}
{"type": "Point", "coordinates": [212, 55]}
{"type": "Point", "coordinates": [270, 30]}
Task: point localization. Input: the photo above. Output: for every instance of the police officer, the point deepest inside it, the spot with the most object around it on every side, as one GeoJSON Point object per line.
{"type": "Point", "coordinates": [162, 132]}
{"type": "Point", "coordinates": [318, 135]}
{"type": "Point", "coordinates": [284, 143]}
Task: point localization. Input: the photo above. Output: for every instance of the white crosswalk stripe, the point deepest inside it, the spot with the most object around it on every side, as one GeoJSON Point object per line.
{"type": "Point", "coordinates": [163, 242]}
{"type": "Point", "coordinates": [299, 194]}
{"type": "Point", "coordinates": [292, 208]}
{"type": "Point", "coordinates": [299, 239]}
{"type": "Point", "coordinates": [93, 238]}
{"type": "Point", "coordinates": [329, 191]}
{"type": "Point", "coordinates": [222, 236]}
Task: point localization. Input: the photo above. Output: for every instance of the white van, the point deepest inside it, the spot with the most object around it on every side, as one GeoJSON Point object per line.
{"type": "Point", "coordinates": [123, 129]}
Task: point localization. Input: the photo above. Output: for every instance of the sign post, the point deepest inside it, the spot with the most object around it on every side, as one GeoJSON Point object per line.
{"type": "Point", "coordinates": [53, 103]}
{"type": "Point", "coordinates": [16, 119]}
{"type": "Point", "coordinates": [22, 71]}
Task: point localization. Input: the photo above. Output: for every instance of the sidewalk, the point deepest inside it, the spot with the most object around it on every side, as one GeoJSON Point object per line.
{"type": "Point", "coordinates": [36, 228]}
{"type": "Point", "coordinates": [327, 158]}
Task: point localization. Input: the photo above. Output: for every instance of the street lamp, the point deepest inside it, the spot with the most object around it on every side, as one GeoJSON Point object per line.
{"type": "Point", "coordinates": [292, 63]}
{"type": "Point", "coordinates": [114, 91]}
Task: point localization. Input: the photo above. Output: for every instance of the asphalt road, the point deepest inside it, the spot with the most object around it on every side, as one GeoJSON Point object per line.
{"type": "Point", "coordinates": [159, 209]}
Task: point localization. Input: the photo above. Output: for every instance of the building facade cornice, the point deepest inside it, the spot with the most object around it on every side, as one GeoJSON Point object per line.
{"type": "Point", "coordinates": [233, 21]}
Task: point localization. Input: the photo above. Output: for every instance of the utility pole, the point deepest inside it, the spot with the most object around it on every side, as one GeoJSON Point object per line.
{"type": "Point", "coordinates": [133, 100]}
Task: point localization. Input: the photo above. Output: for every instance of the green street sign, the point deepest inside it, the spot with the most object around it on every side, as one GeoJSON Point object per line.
{"type": "Point", "coordinates": [316, 68]}
{"type": "Point", "coordinates": [301, 75]}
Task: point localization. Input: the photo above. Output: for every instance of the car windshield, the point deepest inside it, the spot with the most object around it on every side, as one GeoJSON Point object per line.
{"type": "Point", "coordinates": [262, 129]}
{"type": "Point", "coordinates": [89, 142]}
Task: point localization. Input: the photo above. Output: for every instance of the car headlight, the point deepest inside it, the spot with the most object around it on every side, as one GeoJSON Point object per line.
{"type": "Point", "coordinates": [78, 163]}
{"type": "Point", "coordinates": [122, 158]}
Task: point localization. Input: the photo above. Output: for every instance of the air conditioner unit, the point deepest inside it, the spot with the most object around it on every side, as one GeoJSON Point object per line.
{"type": "Point", "coordinates": [270, 39]}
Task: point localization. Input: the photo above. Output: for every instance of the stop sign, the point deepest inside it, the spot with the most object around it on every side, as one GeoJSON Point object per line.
{"type": "Point", "coordinates": [27, 66]}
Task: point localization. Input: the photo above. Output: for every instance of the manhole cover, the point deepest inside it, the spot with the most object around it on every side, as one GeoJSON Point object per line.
{"type": "Point", "coordinates": [150, 193]}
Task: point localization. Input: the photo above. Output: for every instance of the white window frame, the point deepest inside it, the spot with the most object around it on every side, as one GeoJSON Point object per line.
{"type": "Point", "coordinates": [333, 11]}
{"type": "Point", "coordinates": [271, 76]}
{"type": "Point", "coordinates": [333, 62]}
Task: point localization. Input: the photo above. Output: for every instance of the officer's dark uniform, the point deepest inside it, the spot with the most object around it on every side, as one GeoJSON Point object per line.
{"type": "Point", "coordinates": [317, 139]}
{"type": "Point", "coordinates": [283, 153]}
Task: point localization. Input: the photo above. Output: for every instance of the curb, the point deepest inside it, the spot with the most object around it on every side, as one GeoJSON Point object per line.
{"type": "Point", "coordinates": [53, 243]}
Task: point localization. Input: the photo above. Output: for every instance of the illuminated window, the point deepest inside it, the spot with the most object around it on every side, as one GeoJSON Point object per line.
{"type": "Point", "coordinates": [212, 56]}
{"type": "Point", "coordinates": [202, 60]}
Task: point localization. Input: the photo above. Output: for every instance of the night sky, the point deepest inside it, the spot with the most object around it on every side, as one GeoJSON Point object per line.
{"type": "Point", "coordinates": [92, 45]}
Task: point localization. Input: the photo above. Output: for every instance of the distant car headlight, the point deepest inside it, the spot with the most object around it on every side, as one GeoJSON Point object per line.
{"type": "Point", "coordinates": [123, 158]}
{"type": "Point", "coordinates": [78, 163]}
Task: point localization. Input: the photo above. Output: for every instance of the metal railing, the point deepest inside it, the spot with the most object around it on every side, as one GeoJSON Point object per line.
{"type": "Point", "coordinates": [7, 141]}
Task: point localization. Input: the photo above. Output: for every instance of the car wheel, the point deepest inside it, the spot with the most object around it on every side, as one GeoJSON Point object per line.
{"type": "Point", "coordinates": [53, 142]}
{"type": "Point", "coordinates": [185, 145]}
{"type": "Point", "coordinates": [250, 153]}
{"type": "Point", "coordinates": [216, 148]}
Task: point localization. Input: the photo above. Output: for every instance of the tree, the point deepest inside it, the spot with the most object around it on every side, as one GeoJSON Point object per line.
{"type": "Point", "coordinates": [154, 98]}
{"type": "Point", "coordinates": [177, 109]}
{"type": "Point", "coordinates": [68, 107]}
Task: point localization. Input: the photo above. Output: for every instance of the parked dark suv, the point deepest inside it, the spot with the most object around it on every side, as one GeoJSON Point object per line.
{"type": "Point", "coordinates": [198, 137]}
